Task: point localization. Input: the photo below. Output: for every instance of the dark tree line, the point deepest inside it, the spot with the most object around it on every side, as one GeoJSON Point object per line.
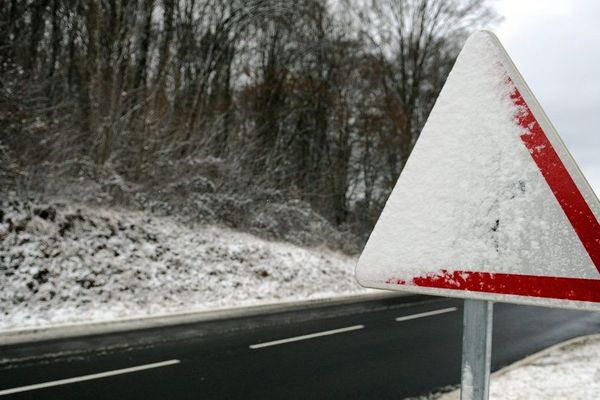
{"type": "Point", "coordinates": [319, 101]}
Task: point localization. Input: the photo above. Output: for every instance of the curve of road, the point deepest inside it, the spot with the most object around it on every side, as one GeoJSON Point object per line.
{"type": "Point", "coordinates": [380, 349]}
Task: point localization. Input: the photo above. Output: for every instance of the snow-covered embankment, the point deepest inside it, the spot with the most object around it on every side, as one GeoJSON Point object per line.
{"type": "Point", "coordinates": [63, 263]}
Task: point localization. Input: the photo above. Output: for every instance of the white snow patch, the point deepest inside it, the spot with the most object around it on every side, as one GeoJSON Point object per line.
{"type": "Point", "coordinates": [64, 263]}
{"type": "Point", "coordinates": [569, 371]}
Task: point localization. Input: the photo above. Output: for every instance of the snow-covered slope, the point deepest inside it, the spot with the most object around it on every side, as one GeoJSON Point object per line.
{"type": "Point", "coordinates": [62, 263]}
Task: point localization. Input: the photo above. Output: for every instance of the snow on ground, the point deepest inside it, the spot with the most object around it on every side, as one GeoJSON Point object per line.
{"type": "Point", "coordinates": [568, 371]}
{"type": "Point", "coordinates": [62, 263]}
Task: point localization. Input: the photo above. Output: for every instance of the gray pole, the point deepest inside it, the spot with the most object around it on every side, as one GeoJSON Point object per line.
{"type": "Point", "coordinates": [477, 350]}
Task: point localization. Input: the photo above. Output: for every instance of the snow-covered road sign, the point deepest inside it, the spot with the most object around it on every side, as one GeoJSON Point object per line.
{"type": "Point", "coordinates": [490, 204]}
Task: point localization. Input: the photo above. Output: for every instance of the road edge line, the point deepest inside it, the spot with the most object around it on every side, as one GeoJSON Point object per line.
{"type": "Point", "coordinates": [70, 330]}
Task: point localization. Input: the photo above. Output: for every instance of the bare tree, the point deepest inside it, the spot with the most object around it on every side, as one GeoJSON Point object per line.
{"type": "Point", "coordinates": [308, 102]}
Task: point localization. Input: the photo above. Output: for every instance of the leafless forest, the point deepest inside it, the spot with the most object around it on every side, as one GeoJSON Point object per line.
{"type": "Point", "coordinates": [288, 118]}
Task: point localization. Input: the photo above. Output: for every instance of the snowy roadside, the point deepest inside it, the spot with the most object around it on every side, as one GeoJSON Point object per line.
{"type": "Point", "coordinates": [567, 371]}
{"type": "Point", "coordinates": [63, 263]}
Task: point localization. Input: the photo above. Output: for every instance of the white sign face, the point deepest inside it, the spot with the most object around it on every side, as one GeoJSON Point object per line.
{"type": "Point", "coordinates": [490, 204]}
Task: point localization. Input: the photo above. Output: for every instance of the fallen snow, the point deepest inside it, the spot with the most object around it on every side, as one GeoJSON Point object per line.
{"type": "Point", "coordinates": [569, 371]}
{"type": "Point", "coordinates": [62, 263]}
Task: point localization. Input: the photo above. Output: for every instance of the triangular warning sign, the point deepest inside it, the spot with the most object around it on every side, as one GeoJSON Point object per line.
{"type": "Point", "coordinates": [490, 204]}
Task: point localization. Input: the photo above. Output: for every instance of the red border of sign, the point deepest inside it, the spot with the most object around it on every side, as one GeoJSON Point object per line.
{"type": "Point", "coordinates": [511, 284]}
{"type": "Point", "coordinates": [558, 178]}
{"type": "Point", "coordinates": [573, 204]}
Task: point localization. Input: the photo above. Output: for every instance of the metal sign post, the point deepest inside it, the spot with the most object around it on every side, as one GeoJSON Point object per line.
{"type": "Point", "coordinates": [455, 206]}
{"type": "Point", "coordinates": [476, 349]}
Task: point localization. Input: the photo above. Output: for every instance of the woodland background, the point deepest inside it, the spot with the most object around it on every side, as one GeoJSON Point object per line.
{"type": "Point", "coordinates": [291, 119]}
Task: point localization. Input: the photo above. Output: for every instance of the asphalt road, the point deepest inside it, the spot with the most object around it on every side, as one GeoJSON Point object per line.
{"type": "Point", "coordinates": [382, 349]}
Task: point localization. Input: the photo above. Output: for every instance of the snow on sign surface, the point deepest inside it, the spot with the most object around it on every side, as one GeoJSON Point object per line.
{"type": "Point", "coordinates": [490, 204]}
